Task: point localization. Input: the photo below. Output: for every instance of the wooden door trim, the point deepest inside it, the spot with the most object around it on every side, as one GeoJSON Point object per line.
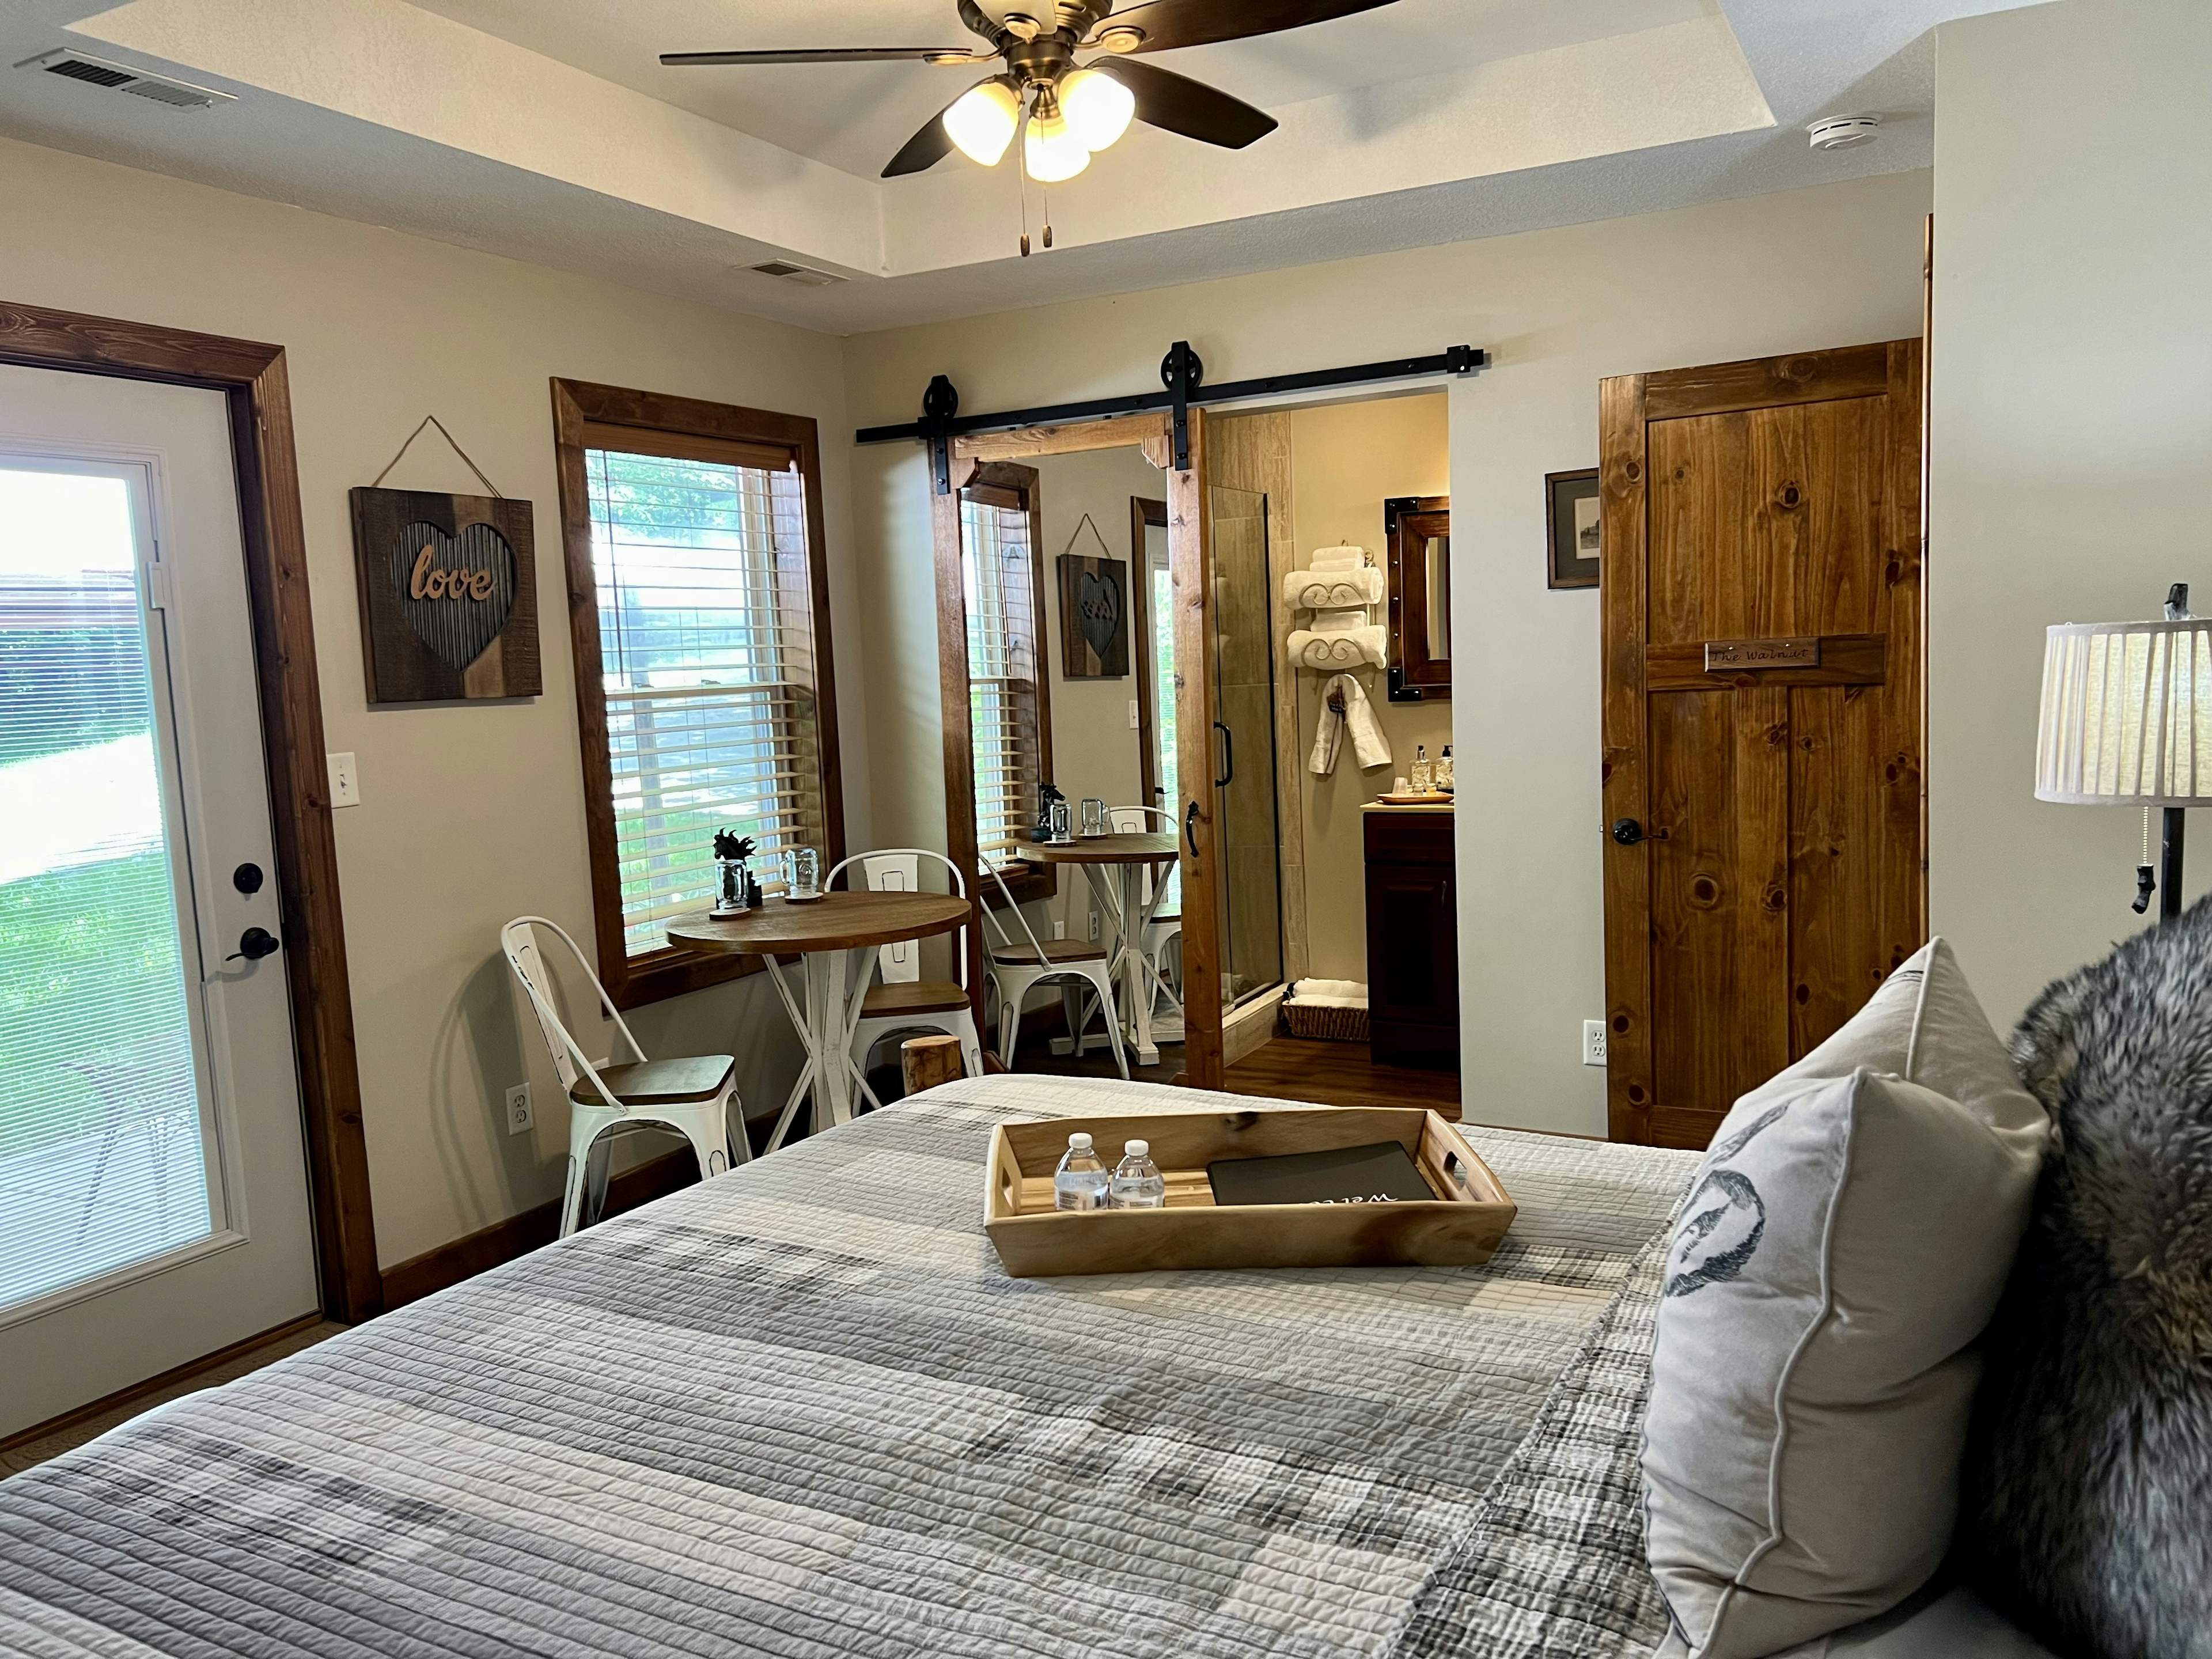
{"type": "Point", "coordinates": [1146, 513]}
{"type": "Point", "coordinates": [1146, 432]}
{"type": "Point", "coordinates": [252, 376]}
{"type": "Point", "coordinates": [1190, 563]}
{"type": "Point", "coordinates": [1625, 788]}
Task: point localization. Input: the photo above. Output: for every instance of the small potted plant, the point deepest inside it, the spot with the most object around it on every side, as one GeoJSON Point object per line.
{"type": "Point", "coordinates": [734, 892]}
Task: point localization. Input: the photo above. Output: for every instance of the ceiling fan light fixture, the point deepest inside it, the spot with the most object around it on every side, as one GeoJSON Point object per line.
{"type": "Point", "coordinates": [1051, 149]}
{"type": "Point", "coordinates": [982, 120]}
{"type": "Point", "coordinates": [1098, 108]}
{"type": "Point", "coordinates": [1120, 37]}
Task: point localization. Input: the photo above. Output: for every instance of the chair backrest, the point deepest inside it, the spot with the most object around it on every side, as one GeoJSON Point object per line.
{"type": "Point", "coordinates": [1135, 821]}
{"type": "Point", "coordinates": [898, 870]}
{"type": "Point", "coordinates": [1004, 943]}
{"type": "Point", "coordinates": [518, 940]}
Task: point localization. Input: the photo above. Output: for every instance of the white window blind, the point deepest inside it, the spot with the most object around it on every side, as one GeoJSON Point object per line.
{"type": "Point", "coordinates": [707, 643]}
{"type": "Point", "coordinates": [998, 570]}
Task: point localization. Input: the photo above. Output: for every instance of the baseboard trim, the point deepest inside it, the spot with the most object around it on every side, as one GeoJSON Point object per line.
{"type": "Point", "coordinates": [1250, 1027]}
{"type": "Point", "coordinates": [167, 1379]}
{"type": "Point", "coordinates": [503, 1241]}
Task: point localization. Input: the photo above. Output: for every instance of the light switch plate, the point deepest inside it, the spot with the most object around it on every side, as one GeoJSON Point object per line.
{"type": "Point", "coordinates": [345, 781]}
{"type": "Point", "coordinates": [1593, 1043]}
{"type": "Point", "coordinates": [1135, 723]}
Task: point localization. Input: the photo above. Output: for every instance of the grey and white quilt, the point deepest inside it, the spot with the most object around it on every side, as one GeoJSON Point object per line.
{"type": "Point", "coordinates": [802, 1411]}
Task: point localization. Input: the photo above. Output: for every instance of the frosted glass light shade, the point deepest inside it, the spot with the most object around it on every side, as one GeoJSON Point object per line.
{"type": "Point", "coordinates": [1052, 151]}
{"type": "Point", "coordinates": [2127, 715]}
{"type": "Point", "coordinates": [983, 120]}
{"type": "Point", "coordinates": [1098, 107]}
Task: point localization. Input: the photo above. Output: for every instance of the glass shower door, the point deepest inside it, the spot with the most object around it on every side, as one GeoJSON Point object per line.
{"type": "Point", "coordinates": [1250, 890]}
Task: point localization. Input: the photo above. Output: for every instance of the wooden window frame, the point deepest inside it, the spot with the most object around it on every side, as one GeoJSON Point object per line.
{"type": "Point", "coordinates": [579, 405]}
{"type": "Point", "coordinates": [1029, 881]}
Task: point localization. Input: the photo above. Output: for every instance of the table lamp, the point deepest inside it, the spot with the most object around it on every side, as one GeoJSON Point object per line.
{"type": "Point", "coordinates": [2127, 721]}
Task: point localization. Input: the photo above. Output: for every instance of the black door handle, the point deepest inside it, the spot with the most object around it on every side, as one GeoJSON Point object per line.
{"type": "Point", "coordinates": [254, 944]}
{"type": "Point", "coordinates": [1190, 828]}
{"type": "Point", "coordinates": [1228, 756]}
{"type": "Point", "coordinates": [1627, 831]}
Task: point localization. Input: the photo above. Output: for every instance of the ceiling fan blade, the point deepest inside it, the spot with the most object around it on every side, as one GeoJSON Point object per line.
{"type": "Point", "coordinates": [931, 144]}
{"type": "Point", "coordinates": [1190, 107]}
{"type": "Point", "coordinates": [1170, 23]}
{"type": "Point", "coordinates": [829, 55]}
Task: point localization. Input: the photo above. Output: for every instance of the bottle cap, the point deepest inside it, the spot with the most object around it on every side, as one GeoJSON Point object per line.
{"type": "Point", "coordinates": [1078, 1141]}
{"type": "Point", "coordinates": [1137, 1148]}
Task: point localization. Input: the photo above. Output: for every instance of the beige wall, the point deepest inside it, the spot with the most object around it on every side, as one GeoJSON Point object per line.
{"type": "Point", "coordinates": [1560, 309]}
{"type": "Point", "coordinates": [1345, 459]}
{"type": "Point", "coordinates": [2071, 442]}
{"type": "Point", "coordinates": [468, 815]}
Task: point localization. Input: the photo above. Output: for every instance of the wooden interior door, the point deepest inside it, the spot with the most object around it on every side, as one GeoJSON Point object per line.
{"type": "Point", "coordinates": [1198, 815]}
{"type": "Point", "coordinates": [1764, 859]}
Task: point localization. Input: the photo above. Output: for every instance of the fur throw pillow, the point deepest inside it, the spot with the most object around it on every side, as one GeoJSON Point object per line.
{"type": "Point", "coordinates": [2089, 1502]}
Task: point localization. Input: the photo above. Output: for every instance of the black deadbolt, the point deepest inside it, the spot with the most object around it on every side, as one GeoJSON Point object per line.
{"type": "Point", "coordinates": [1627, 831]}
{"type": "Point", "coordinates": [254, 944]}
{"type": "Point", "coordinates": [246, 879]}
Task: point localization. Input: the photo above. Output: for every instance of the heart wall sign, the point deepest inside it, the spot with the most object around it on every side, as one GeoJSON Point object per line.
{"type": "Point", "coordinates": [449, 596]}
{"type": "Point", "coordinates": [1094, 618]}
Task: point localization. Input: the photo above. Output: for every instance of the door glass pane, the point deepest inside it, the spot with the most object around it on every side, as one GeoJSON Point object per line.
{"type": "Point", "coordinates": [102, 1138]}
{"type": "Point", "coordinates": [1244, 746]}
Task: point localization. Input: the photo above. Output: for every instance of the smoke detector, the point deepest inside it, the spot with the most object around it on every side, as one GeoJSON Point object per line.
{"type": "Point", "coordinates": [1844, 132]}
{"type": "Point", "coordinates": [91, 71]}
{"type": "Point", "coordinates": [806, 276]}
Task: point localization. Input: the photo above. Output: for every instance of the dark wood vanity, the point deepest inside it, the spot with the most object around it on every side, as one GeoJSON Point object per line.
{"type": "Point", "coordinates": [1413, 937]}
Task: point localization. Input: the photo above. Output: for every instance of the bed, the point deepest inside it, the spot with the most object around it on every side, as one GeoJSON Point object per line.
{"type": "Point", "coordinates": [801, 1411]}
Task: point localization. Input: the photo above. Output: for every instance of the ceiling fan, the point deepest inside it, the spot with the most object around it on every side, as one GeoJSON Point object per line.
{"type": "Point", "coordinates": [1071, 110]}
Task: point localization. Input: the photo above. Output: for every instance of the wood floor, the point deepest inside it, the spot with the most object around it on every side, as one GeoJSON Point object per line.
{"type": "Point", "coordinates": [1283, 1068]}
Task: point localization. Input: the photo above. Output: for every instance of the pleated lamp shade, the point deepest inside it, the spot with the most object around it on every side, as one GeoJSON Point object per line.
{"type": "Point", "coordinates": [2127, 715]}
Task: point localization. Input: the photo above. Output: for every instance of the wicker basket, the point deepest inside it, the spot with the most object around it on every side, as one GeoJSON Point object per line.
{"type": "Point", "coordinates": [1326, 1025]}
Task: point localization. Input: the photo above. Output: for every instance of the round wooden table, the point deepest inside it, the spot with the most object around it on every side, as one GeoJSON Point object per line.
{"type": "Point", "coordinates": [837, 937]}
{"type": "Point", "coordinates": [1114, 865]}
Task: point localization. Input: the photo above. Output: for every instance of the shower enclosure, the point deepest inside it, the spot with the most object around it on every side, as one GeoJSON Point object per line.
{"type": "Point", "coordinates": [1250, 894]}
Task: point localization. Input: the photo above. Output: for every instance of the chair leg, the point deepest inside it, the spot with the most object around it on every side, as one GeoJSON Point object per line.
{"type": "Point", "coordinates": [971, 1044]}
{"type": "Point", "coordinates": [1010, 1028]}
{"type": "Point", "coordinates": [1072, 1013]}
{"type": "Point", "coordinates": [708, 1129]}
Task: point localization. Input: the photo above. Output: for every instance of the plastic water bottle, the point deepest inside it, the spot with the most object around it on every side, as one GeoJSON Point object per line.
{"type": "Point", "coordinates": [1080, 1181]}
{"type": "Point", "coordinates": [1138, 1184]}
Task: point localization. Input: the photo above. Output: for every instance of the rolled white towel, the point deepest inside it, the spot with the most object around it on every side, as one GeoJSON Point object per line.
{"type": "Point", "coordinates": [1357, 647]}
{"type": "Point", "coordinates": [1322, 590]}
{"type": "Point", "coordinates": [1330, 993]}
{"type": "Point", "coordinates": [1338, 558]}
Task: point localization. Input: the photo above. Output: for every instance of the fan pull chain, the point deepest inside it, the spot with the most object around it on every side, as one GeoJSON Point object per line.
{"type": "Point", "coordinates": [2146, 882]}
{"type": "Point", "coordinates": [1044, 194]}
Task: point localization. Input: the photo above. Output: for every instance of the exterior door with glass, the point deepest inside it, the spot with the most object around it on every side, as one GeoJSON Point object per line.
{"type": "Point", "coordinates": [154, 1203]}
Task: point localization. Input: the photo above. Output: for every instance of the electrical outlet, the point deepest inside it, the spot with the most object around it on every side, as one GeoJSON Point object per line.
{"type": "Point", "coordinates": [345, 781]}
{"type": "Point", "coordinates": [1094, 926]}
{"type": "Point", "coordinates": [1135, 723]}
{"type": "Point", "coordinates": [1060, 930]}
{"type": "Point", "coordinates": [1593, 1043]}
{"type": "Point", "coordinates": [520, 1117]}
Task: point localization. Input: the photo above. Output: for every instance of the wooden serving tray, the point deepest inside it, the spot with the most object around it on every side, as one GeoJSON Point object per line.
{"type": "Point", "coordinates": [1461, 1228]}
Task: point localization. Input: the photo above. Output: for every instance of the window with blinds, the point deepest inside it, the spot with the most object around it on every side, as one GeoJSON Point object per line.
{"type": "Point", "coordinates": [998, 570]}
{"type": "Point", "coordinates": [707, 647]}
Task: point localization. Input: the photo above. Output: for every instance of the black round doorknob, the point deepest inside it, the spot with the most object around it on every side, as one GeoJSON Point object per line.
{"type": "Point", "coordinates": [255, 943]}
{"type": "Point", "coordinates": [246, 879]}
{"type": "Point", "coordinates": [1627, 831]}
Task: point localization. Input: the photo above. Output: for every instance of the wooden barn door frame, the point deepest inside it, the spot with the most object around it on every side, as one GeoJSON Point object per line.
{"type": "Point", "coordinates": [1189, 567]}
{"type": "Point", "coordinates": [252, 379]}
{"type": "Point", "coordinates": [1626, 405]}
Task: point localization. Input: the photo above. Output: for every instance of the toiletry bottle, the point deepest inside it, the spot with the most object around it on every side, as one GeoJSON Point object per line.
{"type": "Point", "coordinates": [1138, 1184]}
{"type": "Point", "coordinates": [1444, 770]}
{"type": "Point", "coordinates": [1423, 774]}
{"type": "Point", "coordinates": [1080, 1181]}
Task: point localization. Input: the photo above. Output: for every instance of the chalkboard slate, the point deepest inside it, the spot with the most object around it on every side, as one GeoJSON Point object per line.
{"type": "Point", "coordinates": [1383, 1172]}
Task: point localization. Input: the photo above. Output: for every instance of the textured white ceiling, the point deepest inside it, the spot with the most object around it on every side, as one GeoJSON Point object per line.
{"type": "Point", "coordinates": [563, 143]}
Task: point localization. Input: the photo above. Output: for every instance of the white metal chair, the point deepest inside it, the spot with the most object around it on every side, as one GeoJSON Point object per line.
{"type": "Point", "coordinates": [1015, 966]}
{"type": "Point", "coordinates": [1162, 928]}
{"type": "Point", "coordinates": [691, 1096]}
{"type": "Point", "coordinates": [903, 999]}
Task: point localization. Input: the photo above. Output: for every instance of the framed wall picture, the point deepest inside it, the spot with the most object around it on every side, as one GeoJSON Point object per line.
{"type": "Point", "coordinates": [449, 590]}
{"type": "Point", "coordinates": [1571, 501]}
{"type": "Point", "coordinates": [1094, 618]}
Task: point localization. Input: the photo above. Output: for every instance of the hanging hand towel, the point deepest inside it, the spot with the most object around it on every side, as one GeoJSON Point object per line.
{"type": "Point", "coordinates": [1369, 747]}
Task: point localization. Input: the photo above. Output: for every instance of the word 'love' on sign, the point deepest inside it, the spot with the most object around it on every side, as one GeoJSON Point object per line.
{"type": "Point", "coordinates": [449, 596]}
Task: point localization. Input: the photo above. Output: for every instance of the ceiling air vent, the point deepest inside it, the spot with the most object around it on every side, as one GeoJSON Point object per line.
{"type": "Point", "coordinates": [120, 77]}
{"type": "Point", "coordinates": [805, 275]}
